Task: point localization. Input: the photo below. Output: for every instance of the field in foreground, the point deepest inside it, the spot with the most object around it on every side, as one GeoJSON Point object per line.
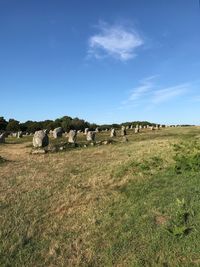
{"type": "Point", "coordinates": [122, 204]}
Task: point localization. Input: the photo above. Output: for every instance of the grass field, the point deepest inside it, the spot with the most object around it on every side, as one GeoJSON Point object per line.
{"type": "Point", "coordinates": [135, 203]}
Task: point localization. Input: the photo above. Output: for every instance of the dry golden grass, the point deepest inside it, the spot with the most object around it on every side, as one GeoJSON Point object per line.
{"type": "Point", "coordinates": [52, 202]}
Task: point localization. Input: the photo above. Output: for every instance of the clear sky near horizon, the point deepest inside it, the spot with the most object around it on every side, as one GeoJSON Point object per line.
{"type": "Point", "coordinates": [104, 61]}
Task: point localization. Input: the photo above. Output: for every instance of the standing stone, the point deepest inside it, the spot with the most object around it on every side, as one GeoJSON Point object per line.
{"type": "Point", "coordinates": [137, 130]}
{"type": "Point", "coordinates": [90, 136]}
{"type": "Point", "coordinates": [127, 127]}
{"type": "Point", "coordinates": [19, 134]}
{"type": "Point", "coordinates": [86, 131]}
{"type": "Point", "coordinates": [72, 136]}
{"type": "Point", "coordinates": [97, 130]}
{"type": "Point", "coordinates": [40, 139]}
{"type": "Point", "coordinates": [131, 127]}
{"type": "Point", "coordinates": [57, 132]}
{"type": "Point", "coordinates": [140, 127]}
{"type": "Point", "coordinates": [112, 133]}
{"type": "Point", "coordinates": [123, 131]}
{"type": "Point", "coordinates": [2, 138]}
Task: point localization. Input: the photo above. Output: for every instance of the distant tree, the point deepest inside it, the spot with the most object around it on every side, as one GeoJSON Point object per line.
{"type": "Point", "coordinates": [13, 125]}
{"type": "Point", "coordinates": [66, 125]}
{"type": "Point", "coordinates": [23, 127]}
{"type": "Point", "coordinates": [3, 124]}
{"type": "Point", "coordinates": [78, 124]}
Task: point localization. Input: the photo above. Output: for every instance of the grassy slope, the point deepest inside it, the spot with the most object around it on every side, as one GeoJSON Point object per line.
{"type": "Point", "coordinates": [117, 205]}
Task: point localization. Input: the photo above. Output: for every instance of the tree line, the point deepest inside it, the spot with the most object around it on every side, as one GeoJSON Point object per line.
{"type": "Point", "coordinates": [67, 123]}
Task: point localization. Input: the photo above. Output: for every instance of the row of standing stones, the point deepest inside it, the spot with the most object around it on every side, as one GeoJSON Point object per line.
{"type": "Point", "coordinates": [41, 139]}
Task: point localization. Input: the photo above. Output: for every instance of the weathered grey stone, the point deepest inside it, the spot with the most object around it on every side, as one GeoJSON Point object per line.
{"type": "Point", "coordinates": [57, 132]}
{"type": "Point", "coordinates": [40, 139]}
{"type": "Point", "coordinates": [112, 133]}
{"type": "Point", "coordinates": [72, 136]}
{"type": "Point", "coordinates": [2, 138]}
{"type": "Point", "coordinates": [86, 131]}
{"type": "Point", "coordinates": [97, 130]}
{"type": "Point", "coordinates": [19, 134]}
{"type": "Point", "coordinates": [137, 130]}
{"type": "Point", "coordinates": [39, 151]}
{"type": "Point", "coordinates": [123, 131]}
{"type": "Point", "coordinates": [90, 136]}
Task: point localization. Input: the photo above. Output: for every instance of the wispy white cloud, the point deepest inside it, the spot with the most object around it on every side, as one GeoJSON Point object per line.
{"type": "Point", "coordinates": [166, 94]}
{"type": "Point", "coordinates": [150, 93]}
{"type": "Point", "coordinates": [144, 88]}
{"type": "Point", "coordinates": [116, 41]}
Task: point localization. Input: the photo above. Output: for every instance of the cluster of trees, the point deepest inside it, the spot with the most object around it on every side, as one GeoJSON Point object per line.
{"type": "Point", "coordinates": [66, 122]}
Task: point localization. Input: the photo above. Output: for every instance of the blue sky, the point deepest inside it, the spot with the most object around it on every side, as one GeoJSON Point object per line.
{"type": "Point", "coordinates": [104, 61]}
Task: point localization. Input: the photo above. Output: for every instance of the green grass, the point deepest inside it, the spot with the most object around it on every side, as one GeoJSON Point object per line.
{"type": "Point", "coordinates": [127, 204]}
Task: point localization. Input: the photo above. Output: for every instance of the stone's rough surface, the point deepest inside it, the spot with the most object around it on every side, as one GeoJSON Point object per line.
{"type": "Point", "coordinates": [2, 138]}
{"type": "Point", "coordinates": [19, 134]}
{"type": "Point", "coordinates": [137, 130]}
{"type": "Point", "coordinates": [40, 139]}
{"type": "Point", "coordinates": [123, 131]}
{"type": "Point", "coordinates": [86, 131]}
{"type": "Point", "coordinates": [112, 133]}
{"type": "Point", "coordinates": [57, 132]}
{"type": "Point", "coordinates": [90, 136]}
{"type": "Point", "coordinates": [72, 136]}
{"type": "Point", "coordinates": [39, 151]}
{"type": "Point", "coordinates": [97, 130]}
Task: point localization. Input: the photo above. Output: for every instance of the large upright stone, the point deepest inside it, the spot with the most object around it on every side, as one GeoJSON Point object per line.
{"type": "Point", "coordinates": [40, 139]}
{"type": "Point", "coordinates": [123, 131]}
{"type": "Point", "coordinates": [57, 132]}
{"type": "Point", "coordinates": [19, 134]}
{"type": "Point", "coordinates": [86, 131]}
{"type": "Point", "coordinates": [112, 133]}
{"type": "Point", "coordinates": [72, 136]}
{"type": "Point", "coordinates": [90, 136]}
{"type": "Point", "coordinates": [137, 130]}
{"type": "Point", "coordinates": [2, 138]}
